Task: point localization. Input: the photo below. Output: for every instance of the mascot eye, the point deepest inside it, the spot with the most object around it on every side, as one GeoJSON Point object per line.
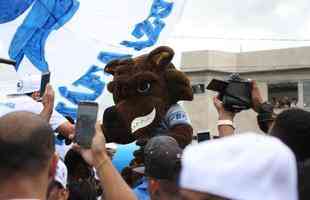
{"type": "Point", "coordinates": [144, 87]}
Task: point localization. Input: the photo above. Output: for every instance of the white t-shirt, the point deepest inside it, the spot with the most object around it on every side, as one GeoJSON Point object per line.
{"type": "Point", "coordinates": [61, 148]}
{"type": "Point", "coordinates": [26, 103]}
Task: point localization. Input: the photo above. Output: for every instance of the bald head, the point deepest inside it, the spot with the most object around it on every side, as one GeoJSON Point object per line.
{"type": "Point", "coordinates": [26, 144]}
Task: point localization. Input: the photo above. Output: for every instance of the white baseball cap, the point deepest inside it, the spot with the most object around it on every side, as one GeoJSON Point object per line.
{"type": "Point", "coordinates": [61, 173]}
{"type": "Point", "coordinates": [245, 167]}
{"type": "Point", "coordinates": [8, 79]}
{"type": "Point", "coordinates": [29, 83]}
{"type": "Point", "coordinates": [12, 82]}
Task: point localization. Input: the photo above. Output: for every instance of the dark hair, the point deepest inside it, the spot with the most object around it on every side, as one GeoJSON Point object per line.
{"type": "Point", "coordinates": [53, 184]}
{"type": "Point", "coordinates": [82, 190]}
{"type": "Point", "coordinates": [169, 188]}
{"type": "Point", "coordinates": [78, 173]}
{"type": "Point", "coordinates": [77, 167]}
{"type": "Point", "coordinates": [26, 144]}
{"type": "Point", "coordinates": [292, 126]}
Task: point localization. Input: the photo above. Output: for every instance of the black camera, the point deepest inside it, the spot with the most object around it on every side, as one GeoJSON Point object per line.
{"type": "Point", "coordinates": [235, 92]}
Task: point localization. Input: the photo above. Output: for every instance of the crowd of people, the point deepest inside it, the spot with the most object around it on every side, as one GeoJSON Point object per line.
{"type": "Point", "coordinates": [247, 166]}
{"type": "Point", "coordinates": [284, 102]}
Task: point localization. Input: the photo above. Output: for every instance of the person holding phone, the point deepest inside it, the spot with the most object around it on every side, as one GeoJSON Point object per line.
{"type": "Point", "coordinates": [45, 108]}
{"type": "Point", "coordinates": [64, 127]}
{"type": "Point", "coordinates": [290, 126]}
{"type": "Point", "coordinates": [115, 187]}
{"type": "Point", "coordinates": [42, 101]}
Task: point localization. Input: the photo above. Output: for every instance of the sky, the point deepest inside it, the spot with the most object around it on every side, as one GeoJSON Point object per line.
{"type": "Point", "coordinates": [234, 20]}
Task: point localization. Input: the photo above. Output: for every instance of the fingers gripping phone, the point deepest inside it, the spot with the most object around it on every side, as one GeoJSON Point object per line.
{"type": "Point", "coordinates": [86, 122]}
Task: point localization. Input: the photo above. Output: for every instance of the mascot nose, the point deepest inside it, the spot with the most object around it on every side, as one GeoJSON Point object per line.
{"type": "Point", "coordinates": [115, 128]}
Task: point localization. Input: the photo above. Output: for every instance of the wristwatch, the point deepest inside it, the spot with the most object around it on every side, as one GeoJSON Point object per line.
{"type": "Point", "coordinates": [265, 116]}
{"type": "Point", "coordinates": [226, 123]}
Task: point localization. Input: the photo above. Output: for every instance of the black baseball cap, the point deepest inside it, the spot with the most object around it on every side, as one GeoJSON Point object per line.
{"type": "Point", "coordinates": [162, 158]}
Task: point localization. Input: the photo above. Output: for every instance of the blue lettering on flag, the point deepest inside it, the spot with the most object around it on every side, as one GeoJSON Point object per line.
{"type": "Point", "coordinates": [106, 57]}
{"type": "Point", "coordinates": [48, 15]}
{"type": "Point", "coordinates": [89, 80]}
{"type": "Point", "coordinates": [150, 27]}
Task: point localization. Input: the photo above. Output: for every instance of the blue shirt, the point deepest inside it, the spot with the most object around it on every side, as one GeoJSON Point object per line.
{"type": "Point", "coordinates": [141, 191]}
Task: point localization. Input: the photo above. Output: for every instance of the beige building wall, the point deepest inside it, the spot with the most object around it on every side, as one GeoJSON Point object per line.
{"type": "Point", "coordinates": [263, 66]}
{"type": "Point", "coordinates": [292, 57]}
{"type": "Point", "coordinates": [216, 59]}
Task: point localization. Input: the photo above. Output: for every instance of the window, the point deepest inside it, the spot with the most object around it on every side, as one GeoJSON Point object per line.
{"type": "Point", "coordinates": [306, 92]}
{"type": "Point", "coordinates": [198, 88]}
{"type": "Point", "coordinates": [284, 94]}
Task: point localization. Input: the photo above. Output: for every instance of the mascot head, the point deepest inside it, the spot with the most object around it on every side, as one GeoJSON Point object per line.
{"type": "Point", "coordinates": [143, 89]}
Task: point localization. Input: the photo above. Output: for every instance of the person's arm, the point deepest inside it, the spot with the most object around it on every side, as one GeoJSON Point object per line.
{"type": "Point", "coordinates": [56, 120]}
{"type": "Point", "coordinates": [48, 103]}
{"type": "Point", "coordinates": [179, 125]}
{"type": "Point", "coordinates": [266, 115]}
{"type": "Point", "coordinates": [224, 115]}
{"type": "Point", "coordinates": [115, 187]}
{"type": "Point", "coordinates": [257, 99]}
{"type": "Point", "coordinates": [66, 129]}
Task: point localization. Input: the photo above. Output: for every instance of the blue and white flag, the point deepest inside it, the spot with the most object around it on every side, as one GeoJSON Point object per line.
{"type": "Point", "coordinates": [74, 39]}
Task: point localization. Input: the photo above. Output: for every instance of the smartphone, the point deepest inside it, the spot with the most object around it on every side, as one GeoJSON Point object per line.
{"type": "Point", "coordinates": [203, 136]}
{"type": "Point", "coordinates": [86, 122]}
{"type": "Point", "coordinates": [217, 85]}
{"type": "Point", "coordinates": [45, 79]}
{"type": "Point", "coordinates": [8, 62]}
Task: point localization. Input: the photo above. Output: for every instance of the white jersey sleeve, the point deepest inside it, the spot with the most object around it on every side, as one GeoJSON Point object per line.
{"type": "Point", "coordinates": [25, 103]}
{"type": "Point", "coordinates": [176, 115]}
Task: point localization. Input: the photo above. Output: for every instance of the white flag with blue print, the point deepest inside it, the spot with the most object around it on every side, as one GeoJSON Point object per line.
{"type": "Point", "coordinates": [74, 39]}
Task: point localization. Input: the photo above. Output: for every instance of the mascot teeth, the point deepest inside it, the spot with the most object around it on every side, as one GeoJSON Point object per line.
{"type": "Point", "coordinates": [144, 121]}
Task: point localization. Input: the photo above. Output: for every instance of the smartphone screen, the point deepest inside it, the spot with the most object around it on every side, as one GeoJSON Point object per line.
{"type": "Point", "coordinates": [86, 121]}
{"type": "Point", "coordinates": [44, 81]}
{"type": "Point", "coordinates": [203, 136]}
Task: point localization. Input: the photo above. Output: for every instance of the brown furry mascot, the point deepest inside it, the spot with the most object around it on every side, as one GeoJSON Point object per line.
{"type": "Point", "coordinates": [146, 90]}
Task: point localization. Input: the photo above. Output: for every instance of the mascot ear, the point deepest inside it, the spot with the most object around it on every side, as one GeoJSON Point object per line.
{"type": "Point", "coordinates": [179, 86]}
{"type": "Point", "coordinates": [161, 56]}
{"type": "Point", "coordinates": [111, 66]}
